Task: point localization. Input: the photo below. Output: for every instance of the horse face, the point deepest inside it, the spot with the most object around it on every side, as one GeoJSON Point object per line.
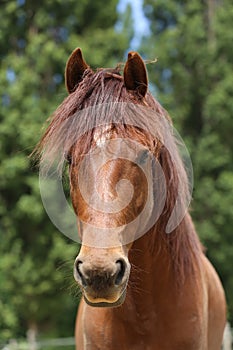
{"type": "Point", "coordinates": [108, 193]}
{"type": "Point", "coordinates": [102, 198]}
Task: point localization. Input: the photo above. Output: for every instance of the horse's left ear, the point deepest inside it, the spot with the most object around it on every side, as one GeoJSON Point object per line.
{"type": "Point", "coordinates": [75, 67]}
{"type": "Point", "coordinates": [135, 75]}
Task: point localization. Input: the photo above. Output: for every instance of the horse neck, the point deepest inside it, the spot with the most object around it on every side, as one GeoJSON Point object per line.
{"type": "Point", "coordinates": [149, 259]}
{"type": "Point", "coordinates": [159, 261]}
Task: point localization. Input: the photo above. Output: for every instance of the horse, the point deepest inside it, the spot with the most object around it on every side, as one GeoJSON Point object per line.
{"type": "Point", "coordinates": [146, 284]}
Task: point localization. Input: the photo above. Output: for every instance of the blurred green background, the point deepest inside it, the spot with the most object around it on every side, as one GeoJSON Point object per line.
{"type": "Point", "coordinates": [193, 80]}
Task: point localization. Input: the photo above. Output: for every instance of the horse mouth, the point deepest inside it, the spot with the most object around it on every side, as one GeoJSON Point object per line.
{"type": "Point", "coordinates": [102, 302]}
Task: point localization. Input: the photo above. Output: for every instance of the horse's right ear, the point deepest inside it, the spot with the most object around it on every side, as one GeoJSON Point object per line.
{"type": "Point", "coordinates": [135, 75]}
{"type": "Point", "coordinates": [75, 67]}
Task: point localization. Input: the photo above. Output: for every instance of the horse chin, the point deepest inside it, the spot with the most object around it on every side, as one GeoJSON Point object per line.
{"type": "Point", "coordinates": [116, 303]}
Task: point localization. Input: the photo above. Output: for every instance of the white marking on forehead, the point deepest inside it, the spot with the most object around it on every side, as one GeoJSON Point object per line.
{"type": "Point", "coordinates": [102, 135]}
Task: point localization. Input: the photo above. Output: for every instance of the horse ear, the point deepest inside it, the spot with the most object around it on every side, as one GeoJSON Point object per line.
{"type": "Point", "coordinates": [75, 67]}
{"type": "Point", "coordinates": [135, 75]}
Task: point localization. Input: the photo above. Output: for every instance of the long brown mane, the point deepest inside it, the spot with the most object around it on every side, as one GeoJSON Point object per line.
{"type": "Point", "coordinates": [105, 87]}
{"type": "Point", "coordinates": [101, 98]}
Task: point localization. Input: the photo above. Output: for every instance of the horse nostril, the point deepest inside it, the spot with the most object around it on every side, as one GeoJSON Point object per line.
{"type": "Point", "coordinates": [120, 272]}
{"type": "Point", "coordinates": [78, 264]}
{"type": "Point", "coordinates": [100, 278]}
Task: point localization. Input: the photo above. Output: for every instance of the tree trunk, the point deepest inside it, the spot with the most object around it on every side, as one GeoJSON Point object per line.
{"type": "Point", "coordinates": [32, 335]}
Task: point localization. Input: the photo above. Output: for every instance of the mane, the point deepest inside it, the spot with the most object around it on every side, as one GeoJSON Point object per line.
{"type": "Point", "coordinates": [101, 99]}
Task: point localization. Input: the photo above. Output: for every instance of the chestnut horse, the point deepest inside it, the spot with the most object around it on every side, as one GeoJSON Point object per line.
{"type": "Point", "coordinates": [156, 290]}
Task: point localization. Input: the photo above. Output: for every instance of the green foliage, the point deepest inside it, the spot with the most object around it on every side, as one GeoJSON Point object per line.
{"type": "Point", "coordinates": [194, 81]}
{"type": "Point", "coordinates": [36, 39]}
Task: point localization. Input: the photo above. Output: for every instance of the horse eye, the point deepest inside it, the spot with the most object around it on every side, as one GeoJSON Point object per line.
{"type": "Point", "coordinates": [142, 157]}
{"type": "Point", "coordinates": [68, 158]}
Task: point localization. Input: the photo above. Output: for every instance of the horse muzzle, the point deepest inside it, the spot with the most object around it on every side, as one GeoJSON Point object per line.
{"type": "Point", "coordinates": [103, 283]}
